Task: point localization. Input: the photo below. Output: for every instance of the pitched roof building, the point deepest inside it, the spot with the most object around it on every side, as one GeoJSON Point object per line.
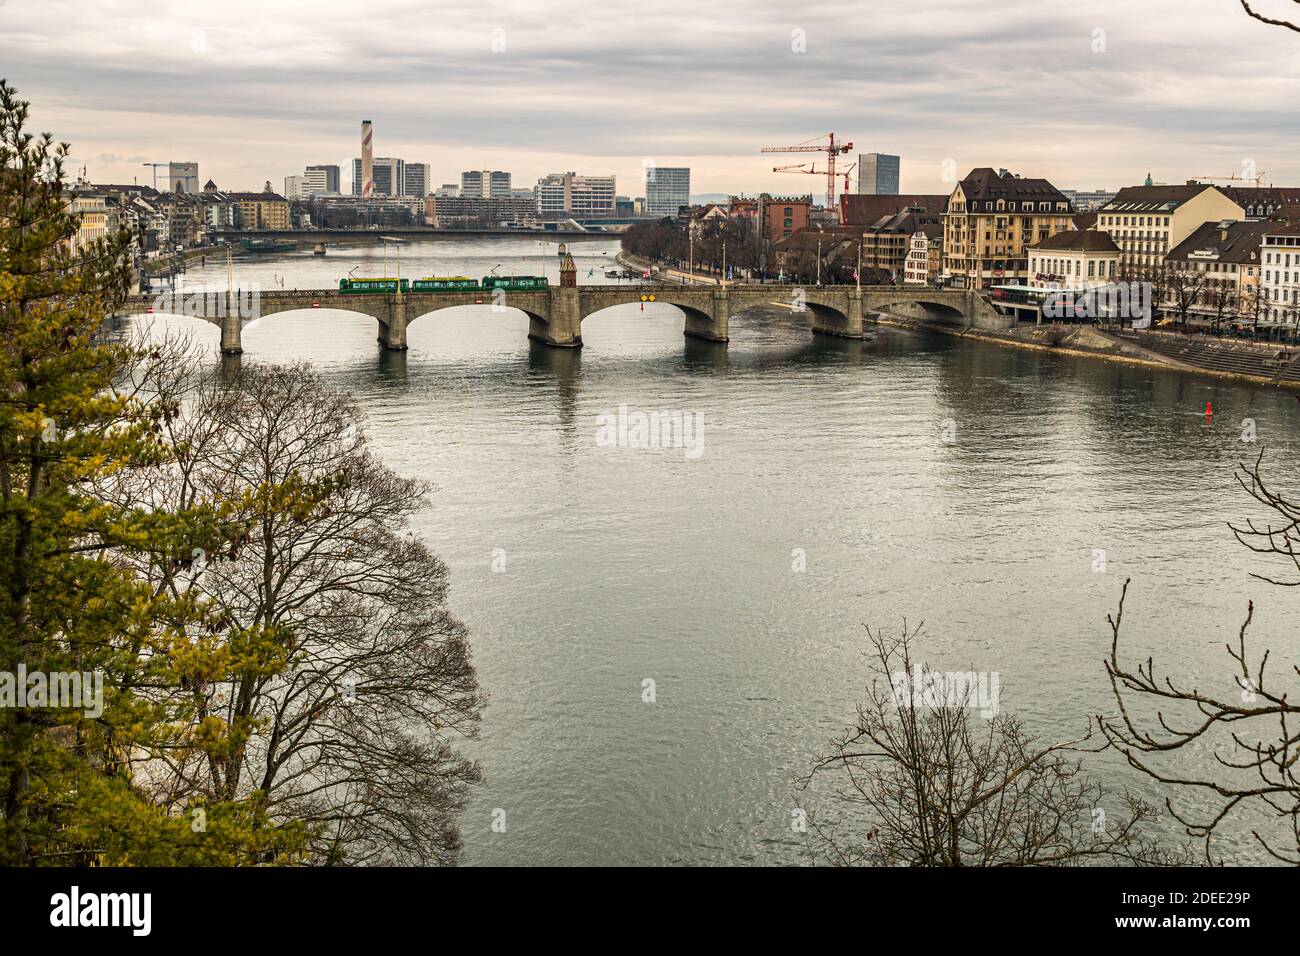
{"type": "Point", "coordinates": [992, 216]}
{"type": "Point", "coordinates": [1265, 202]}
{"type": "Point", "coordinates": [857, 209]}
{"type": "Point", "coordinates": [1073, 259]}
{"type": "Point", "coordinates": [1148, 222]}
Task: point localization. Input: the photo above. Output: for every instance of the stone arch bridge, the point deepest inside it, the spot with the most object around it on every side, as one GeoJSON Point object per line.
{"type": "Point", "coordinates": [555, 315]}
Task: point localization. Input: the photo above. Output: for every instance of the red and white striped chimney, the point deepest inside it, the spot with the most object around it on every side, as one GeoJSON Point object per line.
{"type": "Point", "coordinates": [367, 159]}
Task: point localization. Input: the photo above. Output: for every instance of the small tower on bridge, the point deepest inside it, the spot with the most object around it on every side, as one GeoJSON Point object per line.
{"type": "Point", "coordinates": [568, 273]}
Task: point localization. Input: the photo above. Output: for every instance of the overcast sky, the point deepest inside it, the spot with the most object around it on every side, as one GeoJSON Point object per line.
{"type": "Point", "coordinates": [1088, 93]}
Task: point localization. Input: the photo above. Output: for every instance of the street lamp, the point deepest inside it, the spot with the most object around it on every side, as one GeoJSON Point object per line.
{"type": "Point", "coordinates": [398, 243]}
{"type": "Point", "coordinates": [861, 239]}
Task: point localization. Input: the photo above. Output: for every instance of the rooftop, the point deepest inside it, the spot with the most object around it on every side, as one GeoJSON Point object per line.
{"type": "Point", "coordinates": [1077, 240]}
{"type": "Point", "coordinates": [1223, 241]}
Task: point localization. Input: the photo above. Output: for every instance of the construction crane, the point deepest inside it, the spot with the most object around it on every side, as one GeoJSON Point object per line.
{"type": "Point", "coordinates": [155, 171]}
{"type": "Point", "coordinates": [847, 173]}
{"type": "Point", "coordinates": [832, 149]}
{"type": "Point", "coordinates": [1257, 179]}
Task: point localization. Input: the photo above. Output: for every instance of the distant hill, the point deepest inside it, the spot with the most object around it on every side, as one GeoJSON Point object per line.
{"type": "Point", "coordinates": [702, 198]}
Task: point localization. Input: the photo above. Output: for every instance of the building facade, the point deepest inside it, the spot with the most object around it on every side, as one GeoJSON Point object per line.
{"type": "Point", "coordinates": [1218, 263]}
{"type": "Point", "coordinates": [1074, 259]}
{"type": "Point", "coordinates": [878, 174]}
{"type": "Point", "coordinates": [415, 180]}
{"type": "Point", "coordinates": [264, 210]}
{"type": "Point", "coordinates": [667, 189]}
{"type": "Point", "coordinates": [322, 180]}
{"type": "Point", "coordinates": [1147, 222]}
{"type": "Point", "coordinates": [388, 173]}
{"type": "Point", "coordinates": [93, 224]}
{"type": "Point", "coordinates": [1280, 282]}
{"type": "Point", "coordinates": [924, 256]}
{"type": "Point", "coordinates": [572, 195]}
{"type": "Point", "coordinates": [1265, 202]}
{"type": "Point", "coordinates": [484, 184]}
{"type": "Point", "coordinates": [450, 212]}
{"type": "Point", "coordinates": [992, 217]}
{"type": "Point", "coordinates": [1087, 200]}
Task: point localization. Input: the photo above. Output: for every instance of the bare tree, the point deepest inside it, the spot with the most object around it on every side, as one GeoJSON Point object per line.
{"type": "Point", "coordinates": [1184, 288]}
{"type": "Point", "coordinates": [347, 681]}
{"type": "Point", "coordinates": [1269, 20]}
{"type": "Point", "coordinates": [1221, 296]}
{"type": "Point", "coordinates": [1252, 730]}
{"type": "Point", "coordinates": [940, 785]}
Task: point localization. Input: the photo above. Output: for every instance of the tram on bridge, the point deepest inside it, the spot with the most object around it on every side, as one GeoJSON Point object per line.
{"type": "Point", "coordinates": [372, 286]}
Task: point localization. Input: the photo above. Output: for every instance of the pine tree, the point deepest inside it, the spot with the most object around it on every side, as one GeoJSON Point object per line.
{"type": "Point", "coordinates": [73, 786]}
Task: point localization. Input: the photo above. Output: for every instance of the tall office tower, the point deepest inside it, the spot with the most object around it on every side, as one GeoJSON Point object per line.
{"type": "Point", "coordinates": [667, 188]}
{"type": "Point", "coordinates": [878, 174]}
{"type": "Point", "coordinates": [322, 179]}
{"type": "Point", "coordinates": [367, 158]}
{"type": "Point", "coordinates": [485, 184]}
{"type": "Point", "coordinates": [415, 180]}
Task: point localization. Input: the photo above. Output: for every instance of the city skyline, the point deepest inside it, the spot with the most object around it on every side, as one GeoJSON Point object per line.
{"type": "Point", "coordinates": [1085, 98]}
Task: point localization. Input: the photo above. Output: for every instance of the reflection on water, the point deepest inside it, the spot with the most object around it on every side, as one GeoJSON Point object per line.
{"type": "Point", "coordinates": [628, 564]}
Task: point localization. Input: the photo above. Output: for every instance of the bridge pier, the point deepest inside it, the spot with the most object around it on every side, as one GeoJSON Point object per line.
{"type": "Point", "coordinates": [715, 325]}
{"type": "Point", "coordinates": [232, 333]}
{"type": "Point", "coordinates": [563, 327]}
{"type": "Point", "coordinates": [846, 324]}
{"type": "Point", "coordinates": [392, 334]}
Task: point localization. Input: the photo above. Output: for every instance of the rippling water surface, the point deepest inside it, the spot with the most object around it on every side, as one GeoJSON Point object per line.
{"type": "Point", "coordinates": [622, 565]}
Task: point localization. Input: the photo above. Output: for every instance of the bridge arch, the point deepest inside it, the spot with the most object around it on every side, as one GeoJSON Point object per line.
{"type": "Point", "coordinates": [698, 323]}
{"type": "Point", "coordinates": [925, 309]}
{"type": "Point", "coordinates": [420, 312]}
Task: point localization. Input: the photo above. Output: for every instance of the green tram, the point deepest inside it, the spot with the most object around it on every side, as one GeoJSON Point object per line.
{"type": "Point", "coordinates": [370, 286]}
{"type": "Point", "coordinates": [443, 284]}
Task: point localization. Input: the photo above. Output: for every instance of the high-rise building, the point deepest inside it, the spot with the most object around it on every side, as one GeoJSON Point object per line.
{"type": "Point", "coordinates": [484, 184]}
{"type": "Point", "coordinates": [314, 181]}
{"type": "Point", "coordinates": [415, 180]}
{"type": "Point", "coordinates": [322, 179]}
{"type": "Point", "coordinates": [878, 174]}
{"type": "Point", "coordinates": [1087, 200]}
{"type": "Point", "coordinates": [387, 176]}
{"type": "Point", "coordinates": [667, 189]}
{"type": "Point", "coordinates": [183, 178]}
{"type": "Point", "coordinates": [569, 193]}
{"type": "Point", "coordinates": [363, 183]}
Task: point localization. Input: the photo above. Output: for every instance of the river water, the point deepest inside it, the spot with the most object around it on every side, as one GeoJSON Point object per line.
{"type": "Point", "coordinates": [913, 476]}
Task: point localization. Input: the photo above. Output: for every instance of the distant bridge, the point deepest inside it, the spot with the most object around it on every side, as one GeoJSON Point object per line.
{"type": "Point", "coordinates": [555, 315]}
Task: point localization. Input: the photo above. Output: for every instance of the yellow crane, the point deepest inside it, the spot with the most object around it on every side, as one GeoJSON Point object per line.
{"type": "Point", "coordinates": [1257, 179]}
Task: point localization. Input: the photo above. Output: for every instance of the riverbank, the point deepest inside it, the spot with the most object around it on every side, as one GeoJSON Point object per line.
{"type": "Point", "coordinates": [630, 261]}
{"type": "Point", "coordinates": [1085, 341]}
